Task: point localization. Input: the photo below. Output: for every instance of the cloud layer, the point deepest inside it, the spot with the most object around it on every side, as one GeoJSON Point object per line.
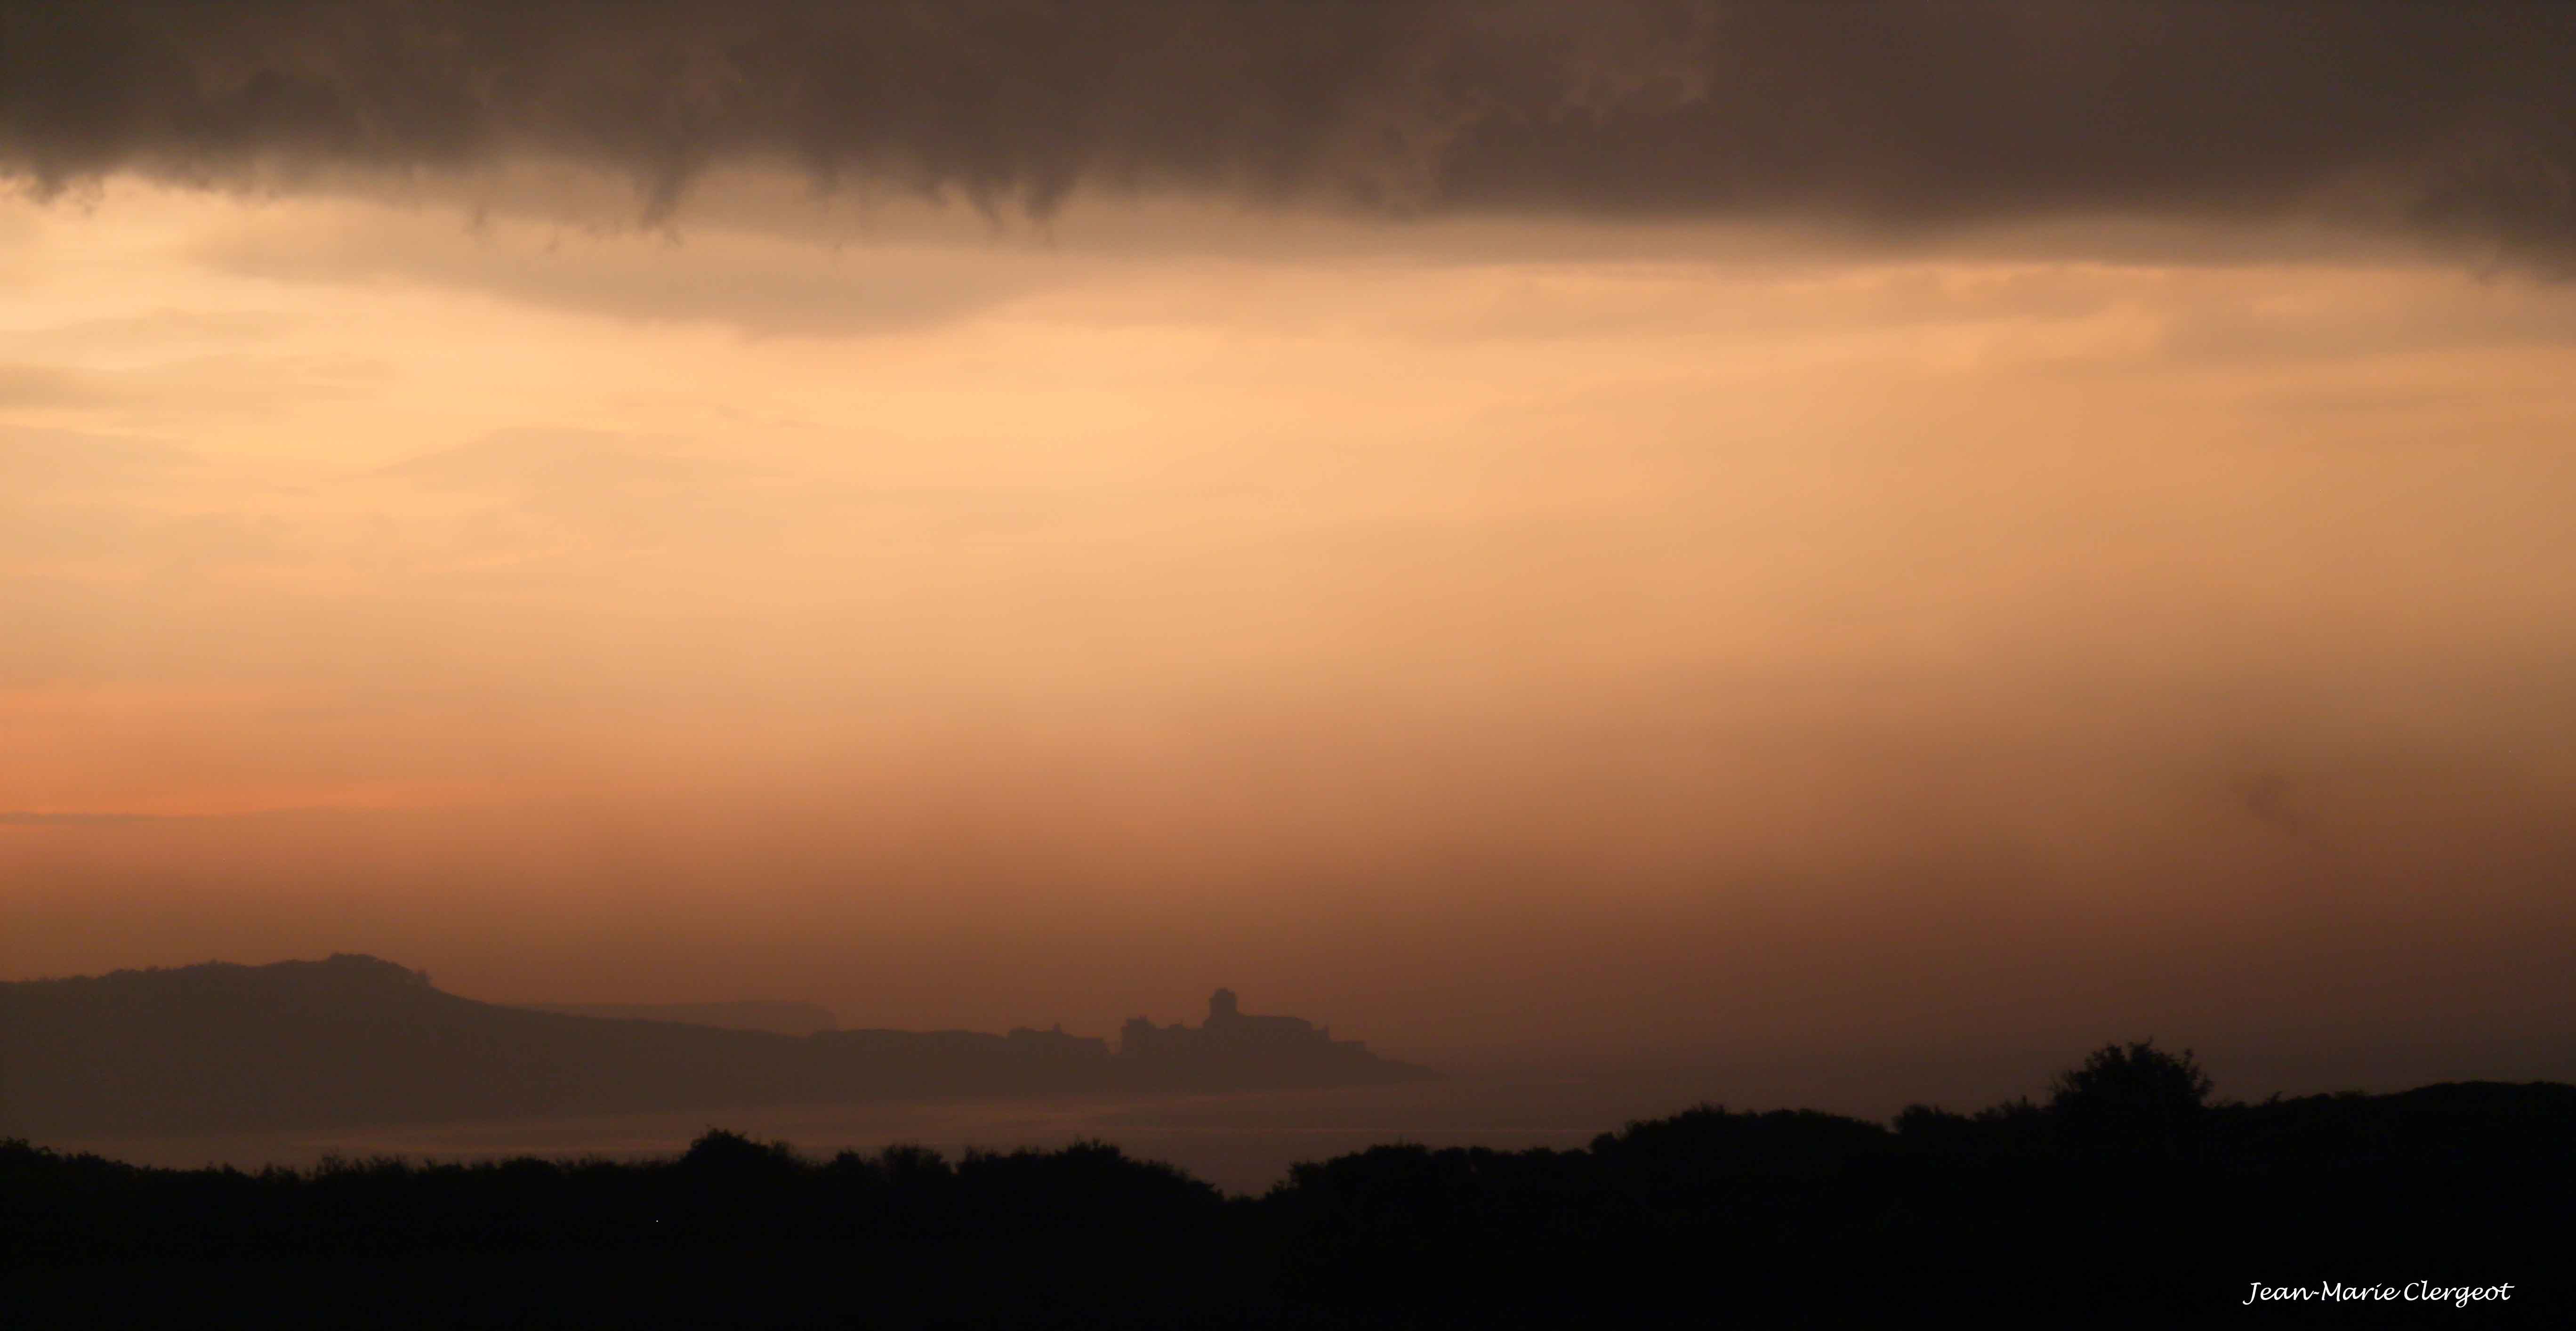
{"type": "Point", "coordinates": [2445, 119]}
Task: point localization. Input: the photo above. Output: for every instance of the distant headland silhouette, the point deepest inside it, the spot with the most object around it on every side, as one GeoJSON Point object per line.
{"type": "Point", "coordinates": [751, 1014]}
{"type": "Point", "coordinates": [355, 1040]}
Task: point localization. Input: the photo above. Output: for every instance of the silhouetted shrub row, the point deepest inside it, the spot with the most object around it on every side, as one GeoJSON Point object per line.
{"type": "Point", "coordinates": [2127, 1198]}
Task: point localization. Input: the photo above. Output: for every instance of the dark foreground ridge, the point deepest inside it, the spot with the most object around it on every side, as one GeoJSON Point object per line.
{"type": "Point", "coordinates": [2126, 1200]}
{"type": "Point", "coordinates": [355, 1041]}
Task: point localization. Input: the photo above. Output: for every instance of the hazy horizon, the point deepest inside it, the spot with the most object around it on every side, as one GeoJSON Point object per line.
{"type": "Point", "coordinates": [1853, 540]}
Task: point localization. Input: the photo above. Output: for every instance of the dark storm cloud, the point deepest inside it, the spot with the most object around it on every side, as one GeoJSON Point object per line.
{"type": "Point", "coordinates": [760, 289]}
{"type": "Point", "coordinates": [2449, 118]}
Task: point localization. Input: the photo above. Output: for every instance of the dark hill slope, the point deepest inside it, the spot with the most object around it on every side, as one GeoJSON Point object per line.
{"type": "Point", "coordinates": [753, 1014]}
{"type": "Point", "coordinates": [345, 1041]}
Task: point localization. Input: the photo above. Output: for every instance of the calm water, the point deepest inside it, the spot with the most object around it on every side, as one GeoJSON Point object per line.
{"type": "Point", "coordinates": [1245, 1141]}
{"type": "Point", "coordinates": [1242, 1141]}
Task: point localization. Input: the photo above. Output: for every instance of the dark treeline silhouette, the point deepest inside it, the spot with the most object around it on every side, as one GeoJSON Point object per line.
{"type": "Point", "coordinates": [354, 1040]}
{"type": "Point", "coordinates": [2127, 1198]}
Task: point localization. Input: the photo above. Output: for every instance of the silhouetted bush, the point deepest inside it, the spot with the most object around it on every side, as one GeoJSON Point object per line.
{"type": "Point", "coordinates": [2129, 1200]}
{"type": "Point", "coordinates": [2133, 1100]}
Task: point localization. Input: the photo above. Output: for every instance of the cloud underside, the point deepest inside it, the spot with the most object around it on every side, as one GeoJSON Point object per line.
{"type": "Point", "coordinates": [2448, 120]}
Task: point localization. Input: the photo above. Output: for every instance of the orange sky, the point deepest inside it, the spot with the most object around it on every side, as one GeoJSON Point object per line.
{"type": "Point", "coordinates": [1476, 633]}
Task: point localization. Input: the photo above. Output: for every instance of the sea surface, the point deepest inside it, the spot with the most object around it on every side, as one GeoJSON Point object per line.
{"type": "Point", "coordinates": [1245, 1141]}
{"type": "Point", "coordinates": [1241, 1141]}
